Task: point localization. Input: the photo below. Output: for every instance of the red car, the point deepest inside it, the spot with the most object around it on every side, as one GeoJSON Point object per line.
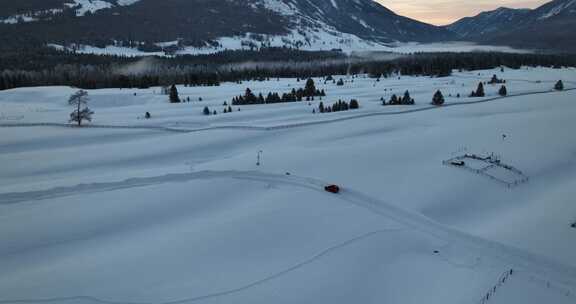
{"type": "Point", "coordinates": [332, 189]}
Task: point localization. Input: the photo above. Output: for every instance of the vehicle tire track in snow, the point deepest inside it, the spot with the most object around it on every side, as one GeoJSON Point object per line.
{"type": "Point", "coordinates": [94, 126]}
{"type": "Point", "coordinates": [227, 292]}
{"type": "Point", "coordinates": [286, 126]}
{"type": "Point", "coordinates": [515, 258]}
{"type": "Point", "coordinates": [18, 197]}
{"type": "Point", "coordinates": [483, 78]}
{"type": "Point", "coordinates": [421, 109]}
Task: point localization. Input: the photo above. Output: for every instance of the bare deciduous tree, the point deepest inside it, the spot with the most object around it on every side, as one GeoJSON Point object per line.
{"type": "Point", "coordinates": [81, 112]}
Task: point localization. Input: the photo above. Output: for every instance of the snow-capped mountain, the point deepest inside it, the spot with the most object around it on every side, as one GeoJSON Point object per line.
{"type": "Point", "coordinates": [312, 24]}
{"type": "Point", "coordinates": [92, 6]}
{"type": "Point", "coordinates": [363, 18]}
{"type": "Point", "coordinates": [548, 26]}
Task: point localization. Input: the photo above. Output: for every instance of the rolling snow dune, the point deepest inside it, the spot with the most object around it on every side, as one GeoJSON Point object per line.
{"type": "Point", "coordinates": [174, 209]}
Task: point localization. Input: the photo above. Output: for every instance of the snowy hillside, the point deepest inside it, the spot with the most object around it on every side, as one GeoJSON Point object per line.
{"type": "Point", "coordinates": [80, 7]}
{"type": "Point", "coordinates": [366, 19]}
{"type": "Point", "coordinates": [303, 24]}
{"type": "Point", "coordinates": [174, 209]}
{"type": "Point", "coordinates": [92, 6]}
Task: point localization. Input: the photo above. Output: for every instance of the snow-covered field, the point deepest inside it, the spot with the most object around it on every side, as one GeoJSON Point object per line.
{"type": "Point", "coordinates": [322, 41]}
{"type": "Point", "coordinates": [175, 210]}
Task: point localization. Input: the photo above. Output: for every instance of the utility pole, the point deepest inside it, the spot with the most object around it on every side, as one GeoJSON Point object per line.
{"type": "Point", "coordinates": [259, 158]}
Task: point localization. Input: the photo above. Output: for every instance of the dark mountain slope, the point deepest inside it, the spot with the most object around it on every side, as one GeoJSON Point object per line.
{"type": "Point", "coordinates": [200, 22]}
{"type": "Point", "coordinates": [488, 23]}
{"type": "Point", "coordinates": [550, 26]}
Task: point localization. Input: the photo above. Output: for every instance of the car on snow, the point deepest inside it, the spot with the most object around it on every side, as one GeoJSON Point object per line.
{"type": "Point", "coordinates": [332, 189]}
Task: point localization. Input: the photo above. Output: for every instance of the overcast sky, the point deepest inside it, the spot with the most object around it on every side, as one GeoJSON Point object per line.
{"type": "Point", "coordinates": [442, 12]}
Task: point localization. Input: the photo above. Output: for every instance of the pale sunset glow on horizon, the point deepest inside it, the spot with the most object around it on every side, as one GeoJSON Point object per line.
{"type": "Point", "coordinates": [442, 12]}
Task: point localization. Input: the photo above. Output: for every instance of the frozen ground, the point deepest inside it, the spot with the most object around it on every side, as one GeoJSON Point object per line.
{"type": "Point", "coordinates": [174, 209]}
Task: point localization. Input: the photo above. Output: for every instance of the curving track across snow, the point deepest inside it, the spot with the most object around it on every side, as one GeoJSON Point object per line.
{"type": "Point", "coordinates": [223, 293]}
{"type": "Point", "coordinates": [523, 262]}
{"type": "Point", "coordinates": [279, 127]}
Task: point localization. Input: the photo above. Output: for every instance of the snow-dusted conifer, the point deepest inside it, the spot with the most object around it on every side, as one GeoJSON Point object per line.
{"type": "Point", "coordinates": [480, 90]}
{"type": "Point", "coordinates": [438, 98]}
{"type": "Point", "coordinates": [174, 98]}
{"type": "Point", "coordinates": [559, 85]}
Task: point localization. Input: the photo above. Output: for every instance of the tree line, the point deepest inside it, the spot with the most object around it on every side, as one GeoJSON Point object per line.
{"type": "Point", "coordinates": [45, 66]}
{"type": "Point", "coordinates": [395, 100]}
{"type": "Point", "coordinates": [309, 92]}
{"type": "Point", "coordinates": [338, 106]}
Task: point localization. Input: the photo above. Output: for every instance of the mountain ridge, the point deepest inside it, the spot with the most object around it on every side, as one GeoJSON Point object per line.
{"type": "Point", "coordinates": [316, 24]}
{"type": "Point", "coordinates": [546, 27]}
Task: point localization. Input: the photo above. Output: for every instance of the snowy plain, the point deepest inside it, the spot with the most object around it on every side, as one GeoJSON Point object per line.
{"type": "Point", "coordinates": [175, 210]}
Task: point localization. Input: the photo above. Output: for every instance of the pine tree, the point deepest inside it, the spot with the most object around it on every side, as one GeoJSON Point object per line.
{"type": "Point", "coordinates": [503, 91]}
{"type": "Point", "coordinates": [340, 82]}
{"type": "Point", "coordinates": [393, 99]}
{"type": "Point", "coordinates": [354, 104]}
{"type": "Point", "coordinates": [438, 98]}
{"type": "Point", "coordinates": [559, 85]}
{"type": "Point", "coordinates": [321, 107]}
{"type": "Point", "coordinates": [407, 100]}
{"type": "Point", "coordinates": [480, 90]}
{"type": "Point", "coordinates": [309, 88]}
{"type": "Point", "coordinates": [206, 111]}
{"type": "Point", "coordinates": [495, 79]}
{"type": "Point", "coordinates": [174, 98]}
{"type": "Point", "coordinates": [81, 112]}
{"type": "Point", "coordinates": [249, 97]}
